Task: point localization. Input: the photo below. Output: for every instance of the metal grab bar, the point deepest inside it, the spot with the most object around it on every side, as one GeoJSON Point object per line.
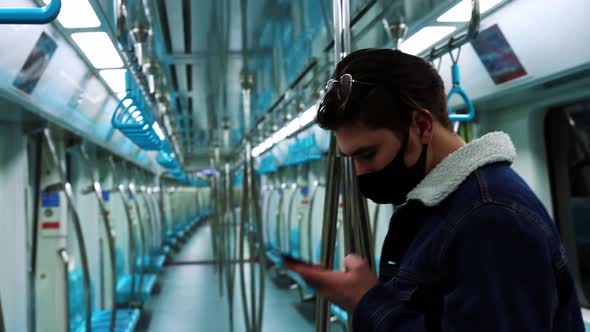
{"type": "Point", "coordinates": [231, 237]}
{"type": "Point", "coordinates": [42, 15]}
{"type": "Point", "coordinates": [108, 232]}
{"type": "Point", "coordinates": [130, 231]}
{"type": "Point", "coordinates": [290, 214]}
{"type": "Point", "coordinates": [329, 229]}
{"type": "Point", "coordinates": [310, 219]}
{"type": "Point", "coordinates": [279, 217]}
{"type": "Point", "coordinates": [454, 43]}
{"type": "Point", "coordinates": [2, 327]}
{"type": "Point", "coordinates": [65, 258]}
{"type": "Point", "coordinates": [142, 240]}
{"type": "Point", "coordinates": [77, 227]}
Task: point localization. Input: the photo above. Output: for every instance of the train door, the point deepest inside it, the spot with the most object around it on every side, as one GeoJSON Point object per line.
{"type": "Point", "coordinates": [567, 135]}
{"type": "Point", "coordinates": [17, 215]}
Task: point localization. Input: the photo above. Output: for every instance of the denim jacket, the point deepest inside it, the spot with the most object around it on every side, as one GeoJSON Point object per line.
{"type": "Point", "coordinates": [472, 249]}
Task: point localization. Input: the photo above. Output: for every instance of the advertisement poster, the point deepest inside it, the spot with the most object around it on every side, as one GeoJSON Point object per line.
{"type": "Point", "coordinates": [497, 55]}
{"type": "Point", "coordinates": [36, 63]}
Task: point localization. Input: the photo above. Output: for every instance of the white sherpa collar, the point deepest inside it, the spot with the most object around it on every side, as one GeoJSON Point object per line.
{"type": "Point", "coordinates": [446, 177]}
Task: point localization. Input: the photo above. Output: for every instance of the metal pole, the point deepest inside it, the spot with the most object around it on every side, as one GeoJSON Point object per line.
{"type": "Point", "coordinates": [130, 232]}
{"type": "Point", "coordinates": [107, 230]}
{"type": "Point", "coordinates": [77, 226]}
{"type": "Point", "coordinates": [218, 235]}
{"type": "Point", "coordinates": [329, 230]}
{"type": "Point", "coordinates": [337, 14]}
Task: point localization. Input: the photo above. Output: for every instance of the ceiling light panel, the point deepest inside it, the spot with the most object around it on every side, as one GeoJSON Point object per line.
{"type": "Point", "coordinates": [115, 78]}
{"type": "Point", "coordinates": [462, 11]}
{"type": "Point", "coordinates": [99, 49]}
{"type": "Point", "coordinates": [425, 38]}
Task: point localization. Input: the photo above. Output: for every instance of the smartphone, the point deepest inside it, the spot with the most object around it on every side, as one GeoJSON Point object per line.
{"type": "Point", "coordinates": [290, 259]}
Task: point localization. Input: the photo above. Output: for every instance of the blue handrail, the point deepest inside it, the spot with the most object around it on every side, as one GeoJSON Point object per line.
{"type": "Point", "coordinates": [42, 15]}
{"type": "Point", "coordinates": [457, 89]}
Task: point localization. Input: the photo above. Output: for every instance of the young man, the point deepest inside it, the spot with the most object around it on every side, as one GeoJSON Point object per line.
{"type": "Point", "coordinates": [469, 247]}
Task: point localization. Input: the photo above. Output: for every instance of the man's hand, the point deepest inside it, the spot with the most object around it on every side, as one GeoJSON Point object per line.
{"type": "Point", "coordinates": [342, 288]}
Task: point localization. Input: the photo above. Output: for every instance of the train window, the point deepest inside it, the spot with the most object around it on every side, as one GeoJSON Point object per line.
{"type": "Point", "coordinates": [567, 133]}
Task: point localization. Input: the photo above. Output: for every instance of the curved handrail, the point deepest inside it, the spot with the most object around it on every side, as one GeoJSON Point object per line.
{"type": "Point", "coordinates": [279, 217]}
{"type": "Point", "coordinates": [108, 232]}
{"type": "Point", "coordinates": [266, 209]}
{"type": "Point", "coordinates": [130, 231]}
{"type": "Point", "coordinates": [290, 215]}
{"type": "Point", "coordinates": [310, 220]}
{"type": "Point", "coordinates": [42, 15]}
{"type": "Point", "coordinates": [138, 213]}
{"type": "Point", "coordinates": [77, 227]}
{"type": "Point", "coordinates": [65, 259]}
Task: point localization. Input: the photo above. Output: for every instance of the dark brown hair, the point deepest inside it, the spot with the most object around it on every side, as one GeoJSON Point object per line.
{"type": "Point", "coordinates": [398, 78]}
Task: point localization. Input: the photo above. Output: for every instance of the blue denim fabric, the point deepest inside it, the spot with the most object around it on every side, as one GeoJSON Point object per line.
{"type": "Point", "coordinates": [487, 258]}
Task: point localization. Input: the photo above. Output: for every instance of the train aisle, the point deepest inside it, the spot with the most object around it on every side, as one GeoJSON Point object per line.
{"type": "Point", "coordinates": [189, 299]}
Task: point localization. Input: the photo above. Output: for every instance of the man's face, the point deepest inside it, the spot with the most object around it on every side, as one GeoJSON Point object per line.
{"type": "Point", "coordinates": [373, 149]}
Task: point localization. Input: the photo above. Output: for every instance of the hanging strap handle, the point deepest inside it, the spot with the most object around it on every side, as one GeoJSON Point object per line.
{"type": "Point", "coordinates": [42, 15]}
{"type": "Point", "coordinates": [457, 89]}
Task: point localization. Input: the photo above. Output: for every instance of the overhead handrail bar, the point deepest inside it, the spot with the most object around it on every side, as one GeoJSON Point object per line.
{"type": "Point", "coordinates": [41, 15]}
{"type": "Point", "coordinates": [77, 226]}
{"type": "Point", "coordinates": [454, 43]}
{"type": "Point", "coordinates": [107, 230]}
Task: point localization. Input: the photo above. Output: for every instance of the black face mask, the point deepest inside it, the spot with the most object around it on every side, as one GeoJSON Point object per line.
{"type": "Point", "coordinates": [393, 183]}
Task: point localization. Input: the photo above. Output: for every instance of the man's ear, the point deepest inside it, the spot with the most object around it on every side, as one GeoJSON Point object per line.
{"type": "Point", "coordinates": [424, 120]}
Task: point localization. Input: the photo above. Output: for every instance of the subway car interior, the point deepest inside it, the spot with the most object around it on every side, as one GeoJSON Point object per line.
{"type": "Point", "coordinates": [159, 157]}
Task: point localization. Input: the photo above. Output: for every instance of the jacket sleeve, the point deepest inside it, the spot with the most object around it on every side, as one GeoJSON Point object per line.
{"type": "Point", "coordinates": [501, 278]}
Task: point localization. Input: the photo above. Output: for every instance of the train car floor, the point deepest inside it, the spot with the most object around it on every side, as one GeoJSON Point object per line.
{"type": "Point", "coordinates": [189, 300]}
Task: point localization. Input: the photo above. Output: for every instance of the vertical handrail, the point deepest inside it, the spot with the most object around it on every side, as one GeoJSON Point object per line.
{"type": "Point", "coordinates": [279, 216]}
{"type": "Point", "coordinates": [219, 235]}
{"type": "Point", "coordinates": [243, 222]}
{"type": "Point", "coordinates": [329, 230]}
{"type": "Point", "coordinates": [231, 237]}
{"type": "Point", "coordinates": [259, 239]}
{"type": "Point", "coordinates": [130, 231]}
{"type": "Point", "coordinates": [107, 229]}
{"type": "Point", "coordinates": [251, 207]}
{"type": "Point", "coordinates": [310, 220]}
{"type": "Point", "coordinates": [77, 226]}
{"type": "Point", "coordinates": [65, 258]}
{"type": "Point", "coordinates": [2, 327]}
{"type": "Point", "coordinates": [289, 216]}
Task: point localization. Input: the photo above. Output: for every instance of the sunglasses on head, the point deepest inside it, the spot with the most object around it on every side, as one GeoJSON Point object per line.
{"type": "Point", "coordinates": [344, 85]}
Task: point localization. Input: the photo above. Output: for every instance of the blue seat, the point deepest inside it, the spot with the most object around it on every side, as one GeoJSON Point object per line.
{"type": "Point", "coordinates": [153, 263]}
{"type": "Point", "coordinates": [146, 282]}
{"type": "Point", "coordinates": [143, 285]}
{"type": "Point", "coordinates": [125, 321]}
